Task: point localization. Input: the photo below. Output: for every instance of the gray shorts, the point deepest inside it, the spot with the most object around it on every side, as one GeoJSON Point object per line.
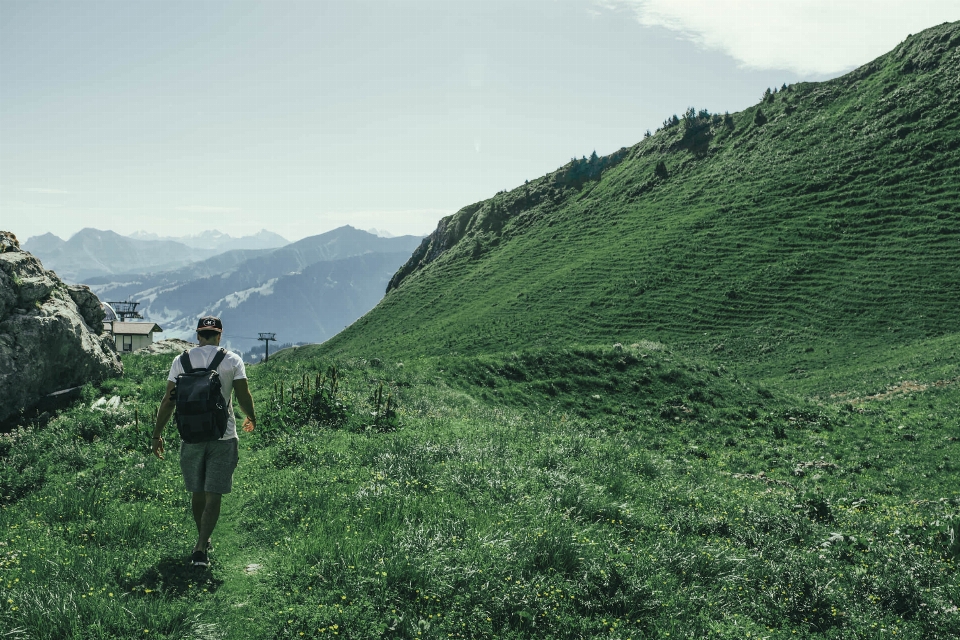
{"type": "Point", "coordinates": [208, 466]}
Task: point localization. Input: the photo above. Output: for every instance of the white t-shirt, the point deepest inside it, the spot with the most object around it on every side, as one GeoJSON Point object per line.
{"type": "Point", "coordinates": [230, 369]}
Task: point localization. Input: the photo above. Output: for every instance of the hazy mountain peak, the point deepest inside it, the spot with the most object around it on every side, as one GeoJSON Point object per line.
{"type": "Point", "coordinates": [144, 235]}
{"type": "Point", "coordinates": [219, 241]}
{"type": "Point", "coordinates": [46, 236]}
{"type": "Point", "coordinates": [43, 244]}
{"type": "Point", "coordinates": [211, 235]}
{"type": "Point", "coordinates": [267, 233]}
{"type": "Point", "coordinates": [89, 233]}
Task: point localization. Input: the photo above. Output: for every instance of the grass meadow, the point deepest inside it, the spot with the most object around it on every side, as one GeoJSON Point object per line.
{"type": "Point", "coordinates": [655, 495]}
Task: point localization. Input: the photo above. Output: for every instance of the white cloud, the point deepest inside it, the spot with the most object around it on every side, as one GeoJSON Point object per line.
{"type": "Point", "coordinates": [197, 208]}
{"type": "Point", "coordinates": [805, 36]}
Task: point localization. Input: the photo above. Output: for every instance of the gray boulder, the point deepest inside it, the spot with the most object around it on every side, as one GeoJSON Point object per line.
{"type": "Point", "coordinates": [170, 345]}
{"type": "Point", "coordinates": [50, 333]}
{"type": "Point", "coordinates": [88, 305]}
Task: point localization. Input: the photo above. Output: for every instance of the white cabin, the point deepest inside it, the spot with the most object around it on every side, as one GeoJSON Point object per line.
{"type": "Point", "coordinates": [130, 336]}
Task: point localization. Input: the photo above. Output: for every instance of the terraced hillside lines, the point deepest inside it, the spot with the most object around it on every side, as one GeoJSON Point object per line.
{"type": "Point", "coordinates": [828, 209]}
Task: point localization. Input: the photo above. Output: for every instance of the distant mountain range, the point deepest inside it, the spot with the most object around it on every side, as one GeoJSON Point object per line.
{"type": "Point", "coordinates": [219, 241]}
{"type": "Point", "coordinates": [94, 252]}
{"type": "Point", "coordinates": [306, 291]}
{"type": "Point", "coordinates": [91, 253]}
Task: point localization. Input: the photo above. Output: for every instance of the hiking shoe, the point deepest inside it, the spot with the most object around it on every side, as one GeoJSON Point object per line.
{"type": "Point", "coordinates": [199, 559]}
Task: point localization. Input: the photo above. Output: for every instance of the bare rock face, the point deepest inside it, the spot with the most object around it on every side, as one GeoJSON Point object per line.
{"type": "Point", "coordinates": [49, 332]}
{"type": "Point", "coordinates": [88, 305]}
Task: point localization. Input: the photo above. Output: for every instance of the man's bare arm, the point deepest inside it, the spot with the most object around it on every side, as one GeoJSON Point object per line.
{"type": "Point", "coordinates": [245, 400]}
{"type": "Point", "coordinates": [167, 405]}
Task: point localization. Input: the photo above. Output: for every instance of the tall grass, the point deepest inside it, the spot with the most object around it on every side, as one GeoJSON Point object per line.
{"type": "Point", "coordinates": [481, 519]}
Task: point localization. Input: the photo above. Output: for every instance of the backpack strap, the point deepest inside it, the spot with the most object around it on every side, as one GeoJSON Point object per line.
{"type": "Point", "coordinates": [217, 359]}
{"type": "Point", "coordinates": [185, 362]}
{"type": "Point", "coordinates": [188, 368]}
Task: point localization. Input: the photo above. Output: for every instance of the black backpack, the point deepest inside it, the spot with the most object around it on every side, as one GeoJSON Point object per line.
{"type": "Point", "coordinates": [201, 412]}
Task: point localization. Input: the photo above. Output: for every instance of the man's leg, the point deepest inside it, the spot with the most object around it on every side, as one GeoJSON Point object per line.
{"type": "Point", "coordinates": [220, 460]}
{"type": "Point", "coordinates": [206, 512]}
{"type": "Point", "coordinates": [199, 502]}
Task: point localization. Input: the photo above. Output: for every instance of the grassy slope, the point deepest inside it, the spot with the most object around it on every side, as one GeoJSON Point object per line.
{"type": "Point", "coordinates": [834, 226]}
{"type": "Point", "coordinates": [710, 509]}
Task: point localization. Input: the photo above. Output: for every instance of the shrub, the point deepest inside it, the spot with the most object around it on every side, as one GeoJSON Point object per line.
{"type": "Point", "coordinates": [661, 170]}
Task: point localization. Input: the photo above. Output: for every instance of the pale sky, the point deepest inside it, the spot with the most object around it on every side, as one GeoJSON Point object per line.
{"type": "Point", "coordinates": [178, 116]}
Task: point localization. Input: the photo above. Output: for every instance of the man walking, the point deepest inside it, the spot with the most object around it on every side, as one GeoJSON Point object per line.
{"type": "Point", "coordinates": [208, 466]}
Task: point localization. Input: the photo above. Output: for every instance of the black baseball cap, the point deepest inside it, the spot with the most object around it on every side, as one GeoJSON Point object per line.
{"type": "Point", "coordinates": [210, 323]}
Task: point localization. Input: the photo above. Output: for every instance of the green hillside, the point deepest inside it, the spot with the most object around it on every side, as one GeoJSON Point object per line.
{"type": "Point", "coordinates": [826, 218]}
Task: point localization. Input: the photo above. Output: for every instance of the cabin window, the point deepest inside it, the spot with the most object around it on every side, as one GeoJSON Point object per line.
{"type": "Point", "coordinates": [127, 343]}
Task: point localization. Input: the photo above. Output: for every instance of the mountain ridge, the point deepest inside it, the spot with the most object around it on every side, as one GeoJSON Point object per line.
{"type": "Point", "coordinates": [91, 252]}
{"type": "Point", "coordinates": [248, 288]}
{"type": "Point", "coordinates": [216, 239]}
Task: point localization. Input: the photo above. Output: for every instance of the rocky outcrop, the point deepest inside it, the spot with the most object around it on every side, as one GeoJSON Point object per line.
{"type": "Point", "coordinates": [88, 305]}
{"type": "Point", "coordinates": [448, 233]}
{"type": "Point", "coordinates": [49, 332]}
{"type": "Point", "coordinates": [170, 345]}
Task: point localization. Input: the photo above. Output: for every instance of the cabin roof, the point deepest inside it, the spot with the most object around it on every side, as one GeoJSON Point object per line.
{"type": "Point", "coordinates": [135, 328]}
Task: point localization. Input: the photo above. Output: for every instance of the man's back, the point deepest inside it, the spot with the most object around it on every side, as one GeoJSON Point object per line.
{"type": "Point", "coordinates": [230, 369]}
